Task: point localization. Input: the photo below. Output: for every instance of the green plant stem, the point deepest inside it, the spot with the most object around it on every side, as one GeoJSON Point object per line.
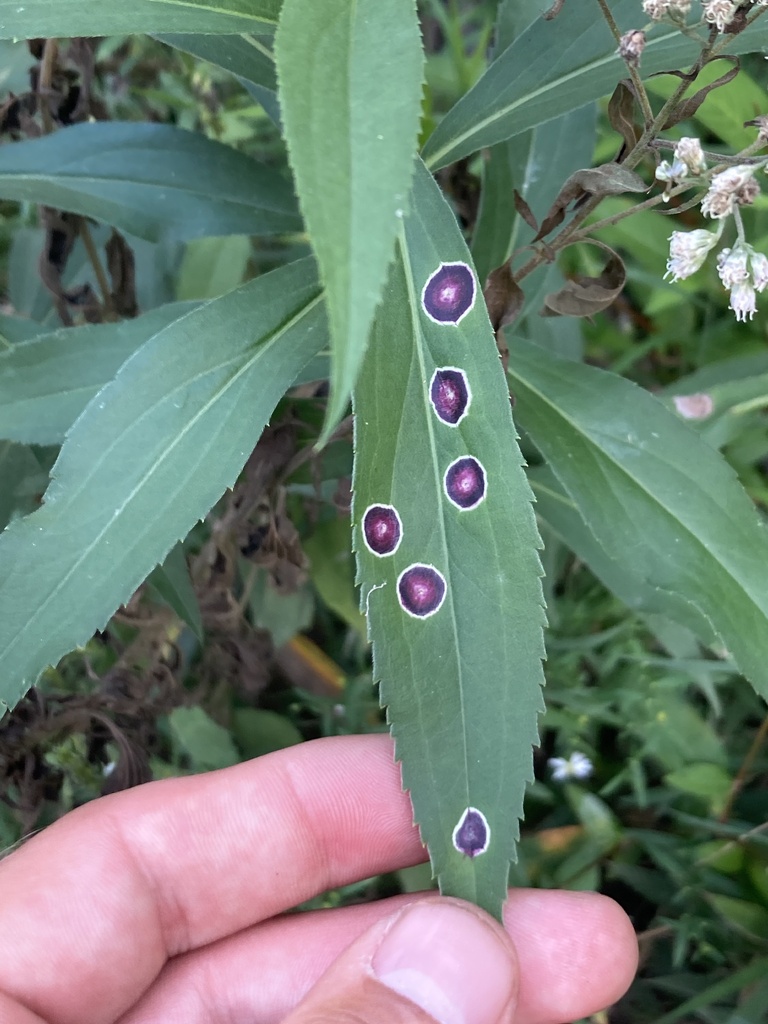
{"type": "Point", "coordinates": [744, 769]}
{"type": "Point", "coordinates": [634, 157]}
{"type": "Point", "coordinates": [634, 74]}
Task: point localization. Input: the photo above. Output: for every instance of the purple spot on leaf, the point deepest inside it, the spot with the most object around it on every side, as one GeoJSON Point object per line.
{"type": "Point", "coordinates": [464, 482]}
{"type": "Point", "coordinates": [449, 294]}
{"type": "Point", "coordinates": [382, 529]}
{"type": "Point", "coordinates": [421, 590]}
{"type": "Point", "coordinates": [450, 394]}
{"type": "Point", "coordinates": [472, 834]}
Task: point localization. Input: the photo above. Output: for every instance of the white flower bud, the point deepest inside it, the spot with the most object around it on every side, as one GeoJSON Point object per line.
{"type": "Point", "coordinates": [694, 407]}
{"type": "Point", "coordinates": [732, 266]}
{"type": "Point", "coordinates": [719, 12]}
{"type": "Point", "coordinates": [743, 301]}
{"type": "Point", "coordinates": [759, 265]}
{"type": "Point", "coordinates": [689, 151]}
{"type": "Point", "coordinates": [719, 200]}
{"type": "Point", "coordinates": [688, 250]}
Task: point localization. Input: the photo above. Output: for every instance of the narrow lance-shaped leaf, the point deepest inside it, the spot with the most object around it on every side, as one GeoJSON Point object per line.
{"type": "Point", "coordinates": [658, 498]}
{"type": "Point", "coordinates": [350, 95]}
{"type": "Point", "coordinates": [151, 180]}
{"type": "Point", "coordinates": [446, 542]}
{"type": "Point", "coordinates": [46, 382]}
{"type": "Point", "coordinates": [556, 66]}
{"type": "Point", "coordinates": [30, 19]}
{"type": "Point", "coordinates": [148, 458]}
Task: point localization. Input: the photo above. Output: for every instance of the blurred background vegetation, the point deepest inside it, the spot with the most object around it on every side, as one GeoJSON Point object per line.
{"type": "Point", "coordinates": [249, 638]}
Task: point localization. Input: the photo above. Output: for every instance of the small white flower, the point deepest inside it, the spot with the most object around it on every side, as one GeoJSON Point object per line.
{"type": "Point", "coordinates": [743, 301]}
{"type": "Point", "coordinates": [658, 9]}
{"type": "Point", "coordinates": [688, 250]}
{"type": "Point", "coordinates": [719, 200]}
{"type": "Point", "coordinates": [719, 12]}
{"type": "Point", "coordinates": [732, 265]}
{"type": "Point", "coordinates": [655, 9]}
{"type": "Point", "coordinates": [577, 766]}
{"type": "Point", "coordinates": [675, 171]}
{"type": "Point", "coordinates": [759, 264]}
{"type": "Point", "coordinates": [689, 151]}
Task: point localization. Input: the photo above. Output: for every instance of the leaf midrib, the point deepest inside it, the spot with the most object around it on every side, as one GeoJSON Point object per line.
{"type": "Point", "coordinates": [419, 343]}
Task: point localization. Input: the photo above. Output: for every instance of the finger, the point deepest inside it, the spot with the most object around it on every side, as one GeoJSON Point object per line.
{"type": "Point", "coordinates": [91, 908]}
{"type": "Point", "coordinates": [438, 960]}
{"type": "Point", "coordinates": [577, 954]}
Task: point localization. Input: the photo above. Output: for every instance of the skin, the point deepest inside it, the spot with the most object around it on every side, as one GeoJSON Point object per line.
{"type": "Point", "coordinates": [164, 902]}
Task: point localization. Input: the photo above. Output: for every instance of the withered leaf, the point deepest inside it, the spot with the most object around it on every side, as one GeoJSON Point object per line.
{"type": "Point", "coordinates": [525, 211]}
{"type": "Point", "coordinates": [621, 114]}
{"type": "Point", "coordinates": [121, 267]}
{"type": "Point", "coordinates": [609, 179]}
{"type": "Point", "coordinates": [585, 296]}
{"type": "Point", "coordinates": [688, 107]}
{"type": "Point", "coordinates": [504, 299]}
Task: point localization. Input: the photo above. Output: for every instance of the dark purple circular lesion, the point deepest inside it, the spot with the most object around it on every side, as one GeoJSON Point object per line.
{"type": "Point", "coordinates": [449, 294]}
{"type": "Point", "coordinates": [421, 590]}
{"type": "Point", "coordinates": [450, 394]}
{"type": "Point", "coordinates": [382, 529]}
{"type": "Point", "coordinates": [465, 482]}
{"type": "Point", "coordinates": [472, 835]}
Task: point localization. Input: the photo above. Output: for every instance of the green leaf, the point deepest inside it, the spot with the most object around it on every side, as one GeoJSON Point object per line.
{"type": "Point", "coordinates": [46, 383]}
{"type": "Point", "coordinates": [332, 571]}
{"type": "Point", "coordinates": [151, 180]}
{"type": "Point", "coordinates": [207, 744]}
{"type": "Point", "coordinates": [149, 457]}
{"type": "Point", "coordinates": [15, 329]}
{"type": "Point", "coordinates": [350, 93]}
{"type": "Point", "coordinates": [257, 731]}
{"type": "Point", "coordinates": [18, 466]}
{"type": "Point", "coordinates": [245, 56]}
{"type": "Point", "coordinates": [556, 66]}
{"type": "Point", "coordinates": [29, 19]}
{"type": "Point", "coordinates": [282, 614]}
{"type": "Point", "coordinates": [562, 516]}
{"type": "Point", "coordinates": [462, 685]}
{"type": "Point", "coordinates": [657, 497]}
{"type": "Point", "coordinates": [172, 583]}
{"type": "Point", "coordinates": [709, 781]}
{"type": "Point", "coordinates": [212, 266]}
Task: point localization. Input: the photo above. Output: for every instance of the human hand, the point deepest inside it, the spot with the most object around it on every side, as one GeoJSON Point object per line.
{"type": "Point", "coordinates": [161, 904]}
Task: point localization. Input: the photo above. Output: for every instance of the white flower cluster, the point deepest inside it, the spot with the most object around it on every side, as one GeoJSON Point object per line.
{"type": "Point", "coordinates": [742, 271]}
{"type": "Point", "coordinates": [717, 12]}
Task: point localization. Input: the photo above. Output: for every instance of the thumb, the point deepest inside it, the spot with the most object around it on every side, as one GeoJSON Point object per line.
{"type": "Point", "coordinates": [435, 960]}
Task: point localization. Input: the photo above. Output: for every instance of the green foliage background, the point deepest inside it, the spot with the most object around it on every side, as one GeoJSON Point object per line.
{"type": "Point", "coordinates": [248, 637]}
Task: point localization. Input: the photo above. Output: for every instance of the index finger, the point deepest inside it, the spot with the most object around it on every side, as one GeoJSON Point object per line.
{"type": "Point", "coordinates": [92, 907]}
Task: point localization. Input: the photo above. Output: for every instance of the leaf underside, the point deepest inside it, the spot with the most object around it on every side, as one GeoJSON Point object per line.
{"type": "Point", "coordinates": [463, 686]}
{"type": "Point", "coordinates": [148, 457]}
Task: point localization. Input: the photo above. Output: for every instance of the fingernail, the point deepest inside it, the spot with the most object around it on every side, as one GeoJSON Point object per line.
{"type": "Point", "coordinates": [448, 961]}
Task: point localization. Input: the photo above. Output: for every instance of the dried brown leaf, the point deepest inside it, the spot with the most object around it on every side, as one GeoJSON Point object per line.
{"type": "Point", "coordinates": [585, 296]}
